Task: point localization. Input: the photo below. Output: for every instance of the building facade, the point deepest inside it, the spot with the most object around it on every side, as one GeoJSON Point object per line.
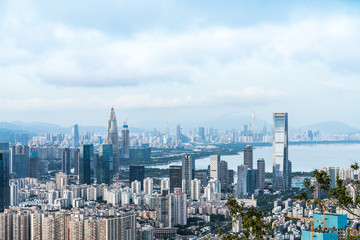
{"type": "Point", "coordinates": [175, 177]}
{"type": "Point", "coordinates": [281, 165]}
{"type": "Point", "coordinates": [248, 157]}
{"type": "Point", "coordinates": [86, 164]}
{"type": "Point", "coordinates": [188, 172]}
{"type": "Point", "coordinates": [4, 176]}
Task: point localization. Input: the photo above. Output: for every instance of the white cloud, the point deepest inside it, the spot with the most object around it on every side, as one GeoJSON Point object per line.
{"type": "Point", "coordinates": [126, 102]}
{"type": "Point", "coordinates": [55, 65]}
{"type": "Point", "coordinates": [89, 57]}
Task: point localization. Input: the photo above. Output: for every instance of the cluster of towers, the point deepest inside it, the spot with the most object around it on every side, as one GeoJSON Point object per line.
{"type": "Point", "coordinates": [104, 164]}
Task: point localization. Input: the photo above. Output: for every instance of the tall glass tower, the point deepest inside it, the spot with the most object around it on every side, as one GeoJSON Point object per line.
{"type": "Point", "coordinates": [4, 176]}
{"type": "Point", "coordinates": [104, 166]}
{"type": "Point", "coordinates": [66, 161]}
{"type": "Point", "coordinates": [125, 144]}
{"type": "Point", "coordinates": [86, 164]}
{"type": "Point", "coordinates": [113, 138]}
{"type": "Point", "coordinates": [281, 165]}
{"type": "Point", "coordinates": [75, 135]}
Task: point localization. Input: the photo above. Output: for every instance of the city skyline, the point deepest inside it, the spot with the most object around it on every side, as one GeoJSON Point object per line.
{"type": "Point", "coordinates": [228, 119]}
{"type": "Point", "coordinates": [60, 61]}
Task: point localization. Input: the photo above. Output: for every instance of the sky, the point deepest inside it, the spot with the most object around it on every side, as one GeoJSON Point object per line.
{"type": "Point", "coordinates": [185, 61]}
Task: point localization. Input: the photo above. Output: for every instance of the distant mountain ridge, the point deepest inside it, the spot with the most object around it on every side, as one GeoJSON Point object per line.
{"type": "Point", "coordinates": [228, 121]}
{"type": "Point", "coordinates": [42, 127]}
{"type": "Point", "coordinates": [333, 127]}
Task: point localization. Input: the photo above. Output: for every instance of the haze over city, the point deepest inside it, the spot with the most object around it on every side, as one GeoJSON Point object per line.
{"type": "Point", "coordinates": [179, 61]}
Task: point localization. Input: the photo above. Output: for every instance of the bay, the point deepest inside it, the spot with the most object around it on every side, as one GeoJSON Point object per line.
{"type": "Point", "coordinates": [303, 157]}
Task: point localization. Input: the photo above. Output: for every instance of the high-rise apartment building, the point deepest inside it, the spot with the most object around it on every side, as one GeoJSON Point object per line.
{"type": "Point", "coordinates": [136, 187]}
{"type": "Point", "coordinates": [261, 173]}
{"type": "Point", "coordinates": [86, 164]}
{"type": "Point", "coordinates": [177, 208]}
{"type": "Point", "coordinates": [195, 187]}
{"type": "Point", "coordinates": [175, 177]}
{"type": "Point", "coordinates": [66, 161]}
{"type": "Point", "coordinates": [248, 157]}
{"type": "Point", "coordinates": [112, 137]}
{"type": "Point", "coordinates": [164, 185]}
{"type": "Point", "coordinates": [281, 165]}
{"type": "Point", "coordinates": [36, 226]}
{"type": "Point", "coordinates": [4, 176]}
{"type": "Point", "coordinates": [215, 166]}
{"type": "Point", "coordinates": [162, 210]}
{"type": "Point", "coordinates": [125, 141]}
{"type": "Point", "coordinates": [14, 193]}
{"type": "Point", "coordinates": [75, 135]}
{"type": "Point", "coordinates": [148, 186]}
{"type": "Point", "coordinates": [188, 172]}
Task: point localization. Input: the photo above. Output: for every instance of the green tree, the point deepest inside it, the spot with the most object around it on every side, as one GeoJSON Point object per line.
{"type": "Point", "coordinates": [253, 221]}
{"type": "Point", "coordinates": [345, 196]}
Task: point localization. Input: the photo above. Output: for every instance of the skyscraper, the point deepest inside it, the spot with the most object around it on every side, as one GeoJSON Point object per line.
{"type": "Point", "coordinates": [4, 176]}
{"type": "Point", "coordinates": [19, 165]}
{"type": "Point", "coordinates": [248, 156]}
{"type": "Point", "coordinates": [125, 143]}
{"type": "Point", "coordinates": [188, 172]}
{"type": "Point", "coordinates": [75, 135]}
{"type": "Point", "coordinates": [178, 132]}
{"type": "Point", "coordinates": [137, 173]}
{"type": "Point", "coordinates": [86, 164]}
{"type": "Point", "coordinates": [105, 164]}
{"type": "Point", "coordinates": [32, 164]}
{"type": "Point", "coordinates": [224, 174]}
{"type": "Point", "coordinates": [202, 134]}
{"type": "Point", "coordinates": [281, 174]}
{"type": "Point", "coordinates": [230, 177]}
{"type": "Point", "coordinates": [148, 186]}
{"type": "Point", "coordinates": [195, 189]}
{"type": "Point", "coordinates": [251, 181]}
{"type": "Point", "coordinates": [215, 166]}
{"type": "Point", "coordinates": [66, 161]}
{"type": "Point", "coordinates": [177, 208]}
{"type": "Point", "coordinates": [112, 137]}
{"type": "Point", "coordinates": [76, 161]}
{"type": "Point", "coordinates": [14, 193]}
{"type": "Point", "coordinates": [175, 177]}
{"type": "Point", "coordinates": [261, 173]}
{"type": "Point", "coordinates": [241, 181]}
{"type": "Point", "coordinates": [164, 185]}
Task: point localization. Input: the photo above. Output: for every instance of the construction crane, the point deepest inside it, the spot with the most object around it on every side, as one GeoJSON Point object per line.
{"type": "Point", "coordinates": [312, 223]}
{"type": "Point", "coordinates": [310, 219]}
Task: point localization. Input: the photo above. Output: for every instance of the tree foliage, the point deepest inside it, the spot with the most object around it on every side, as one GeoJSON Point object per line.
{"type": "Point", "coordinates": [253, 221]}
{"type": "Point", "coordinates": [344, 195]}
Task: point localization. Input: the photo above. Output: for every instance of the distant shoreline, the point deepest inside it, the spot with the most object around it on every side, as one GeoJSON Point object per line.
{"type": "Point", "coordinates": [238, 147]}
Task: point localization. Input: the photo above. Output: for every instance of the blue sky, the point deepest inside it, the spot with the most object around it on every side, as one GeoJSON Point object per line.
{"type": "Point", "coordinates": [179, 61]}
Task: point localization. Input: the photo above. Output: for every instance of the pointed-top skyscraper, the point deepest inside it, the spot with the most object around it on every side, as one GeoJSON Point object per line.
{"type": "Point", "coordinates": [113, 138]}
